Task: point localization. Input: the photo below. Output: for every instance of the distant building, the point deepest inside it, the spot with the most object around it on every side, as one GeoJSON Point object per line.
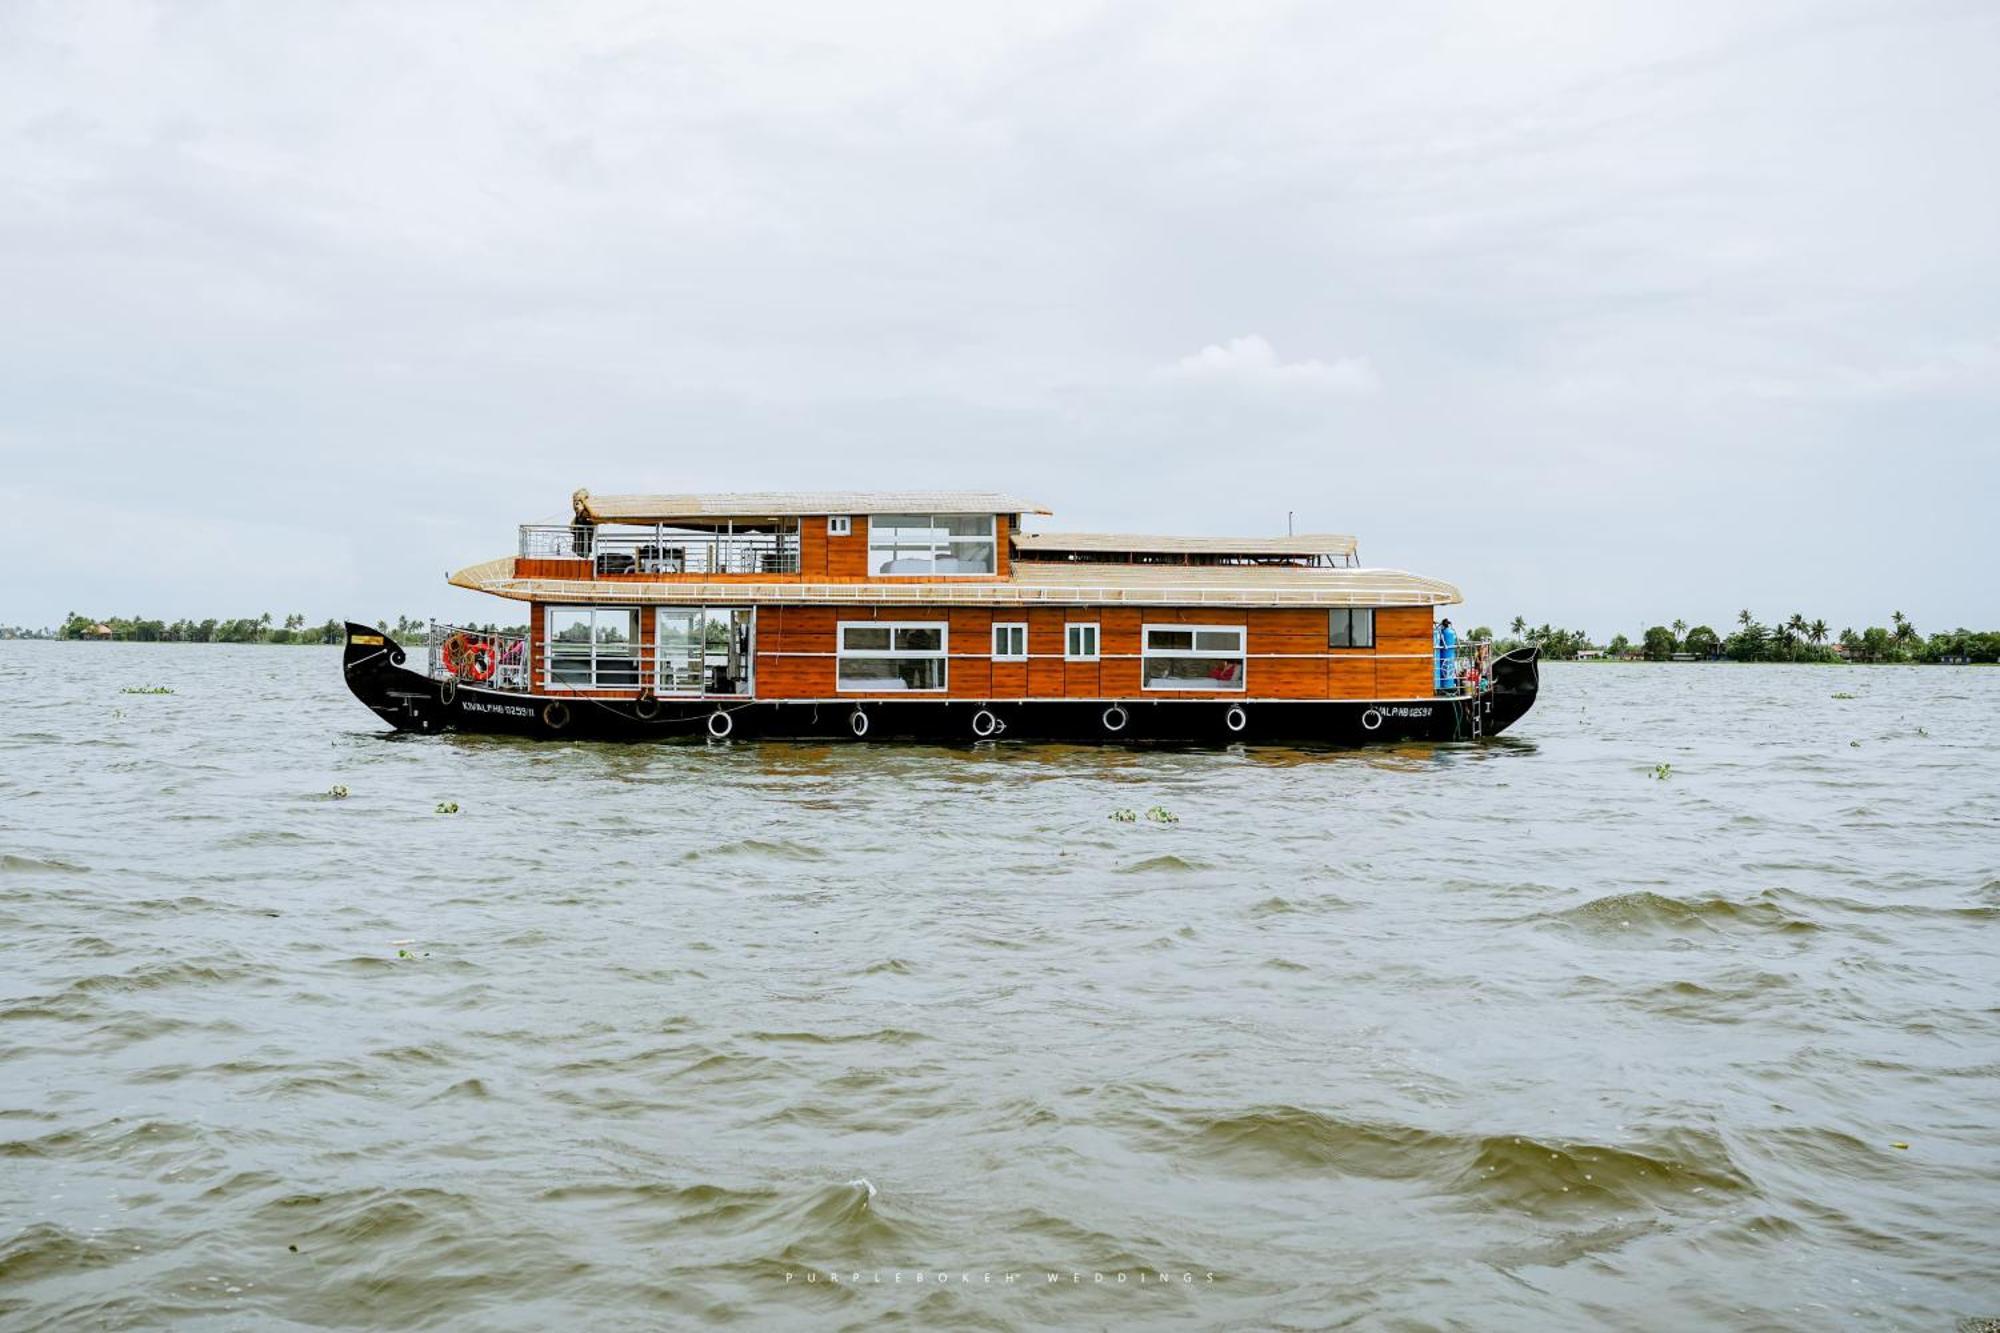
{"type": "Point", "coordinates": [100, 631]}
{"type": "Point", "coordinates": [1589, 654]}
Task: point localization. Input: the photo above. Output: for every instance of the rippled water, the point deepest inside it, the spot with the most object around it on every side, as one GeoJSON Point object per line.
{"type": "Point", "coordinates": [1517, 1037]}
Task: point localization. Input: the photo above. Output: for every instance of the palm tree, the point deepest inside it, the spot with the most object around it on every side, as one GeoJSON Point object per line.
{"type": "Point", "coordinates": [1744, 617]}
{"type": "Point", "coordinates": [1797, 624]}
{"type": "Point", "coordinates": [1519, 627]}
{"type": "Point", "coordinates": [1680, 630]}
{"type": "Point", "coordinates": [1905, 631]}
{"type": "Point", "coordinates": [1817, 631]}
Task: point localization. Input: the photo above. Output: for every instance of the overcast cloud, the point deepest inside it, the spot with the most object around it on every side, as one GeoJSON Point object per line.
{"type": "Point", "coordinates": [1607, 313]}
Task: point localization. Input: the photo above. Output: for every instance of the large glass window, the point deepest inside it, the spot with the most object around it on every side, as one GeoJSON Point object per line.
{"type": "Point", "coordinates": [1010, 643]}
{"type": "Point", "coordinates": [1351, 628]}
{"type": "Point", "coordinates": [703, 649]}
{"type": "Point", "coordinates": [1080, 641]}
{"type": "Point", "coordinates": [877, 655]}
{"type": "Point", "coordinates": [1193, 657]}
{"type": "Point", "coordinates": [931, 544]}
{"type": "Point", "coordinates": [593, 647]}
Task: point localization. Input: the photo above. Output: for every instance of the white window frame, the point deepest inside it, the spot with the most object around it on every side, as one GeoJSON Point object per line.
{"type": "Point", "coordinates": [551, 652]}
{"type": "Point", "coordinates": [1350, 612]}
{"type": "Point", "coordinates": [1241, 656]}
{"type": "Point", "coordinates": [1011, 628]}
{"type": "Point", "coordinates": [839, 525]}
{"type": "Point", "coordinates": [941, 654]}
{"type": "Point", "coordinates": [990, 538]}
{"type": "Point", "coordinates": [1070, 627]}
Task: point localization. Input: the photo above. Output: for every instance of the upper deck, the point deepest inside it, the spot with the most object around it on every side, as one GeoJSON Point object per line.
{"type": "Point", "coordinates": [908, 547]}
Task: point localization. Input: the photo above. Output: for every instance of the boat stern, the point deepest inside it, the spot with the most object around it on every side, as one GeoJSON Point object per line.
{"type": "Point", "coordinates": [1517, 679]}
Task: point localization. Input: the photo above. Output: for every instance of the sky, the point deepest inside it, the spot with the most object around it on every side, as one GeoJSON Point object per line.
{"type": "Point", "coordinates": [1607, 313]}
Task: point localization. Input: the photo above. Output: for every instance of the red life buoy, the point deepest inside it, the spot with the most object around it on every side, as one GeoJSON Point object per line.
{"type": "Point", "coordinates": [479, 661]}
{"type": "Point", "coordinates": [454, 653]}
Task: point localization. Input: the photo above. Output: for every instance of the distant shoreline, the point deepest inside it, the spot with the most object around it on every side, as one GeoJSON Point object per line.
{"type": "Point", "coordinates": [292, 631]}
{"type": "Point", "coordinates": [1793, 639]}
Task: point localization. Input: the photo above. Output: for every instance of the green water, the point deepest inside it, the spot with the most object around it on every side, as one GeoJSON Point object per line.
{"type": "Point", "coordinates": [1521, 1037]}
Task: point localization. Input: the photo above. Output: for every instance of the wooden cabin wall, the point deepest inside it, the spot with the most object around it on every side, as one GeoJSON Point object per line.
{"type": "Point", "coordinates": [847, 557]}
{"type": "Point", "coordinates": [1405, 652]}
{"type": "Point", "coordinates": [812, 548]}
{"type": "Point", "coordinates": [567, 567]}
{"type": "Point", "coordinates": [1289, 656]}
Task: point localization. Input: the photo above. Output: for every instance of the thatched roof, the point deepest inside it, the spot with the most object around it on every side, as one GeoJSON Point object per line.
{"type": "Point", "coordinates": [1035, 583]}
{"type": "Point", "coordinates": [794, 504]}
{"type": "Point", "coordinates": [1118, 543]}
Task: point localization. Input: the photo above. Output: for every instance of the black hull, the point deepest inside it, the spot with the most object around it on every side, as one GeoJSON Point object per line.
{"type": "Point", "coordinates": [411, 701]}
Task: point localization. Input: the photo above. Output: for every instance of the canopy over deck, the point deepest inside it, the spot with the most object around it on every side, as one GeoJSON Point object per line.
{"type": "Point", "coordinates": [755, 505]}
{"type": "Point", "coordinates": [1043, 545]}
{"type": "Point", "coordinates": [1044, 583]}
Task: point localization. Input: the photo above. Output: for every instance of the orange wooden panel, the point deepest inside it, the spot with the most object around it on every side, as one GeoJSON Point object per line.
{"type": "Point", "coordinates": [801, 629]}
{"type": "Point", "coordinates": [1003, 557]}
{"type": "Point", "coordinates": [847, 557]}
{"type": "Point", "coordinates": [1404, 622]}
{"type": "Point", "coordinates": [1118, 677]}
{"type": "Point", "coordinates": [1045, 647]}
{"type": "Point", "coordinates": [812, 547]}
{"type": "Point", "coordinates": [1119, 629]}
{"type": "Point", "coordinates": [1045, 632]}
{"type": "Point", "coordinates": [795, 677]}
{"type": "Point", "coordinates": [1080, 680]}
{"type": "Point", "coordinates": [1287, 677]}
{"type": "Point", "coordinates": [525, 568]}
{"type": "Point", "coordinates": [1010, 680]}
{"type": "Point", "coordinates": [970, 677]}
{"type": "Point", "coordinates": [1404, 677]}
{"type": "Point", "coordinates": [971, 629]}
{"type": "Point", "coordinates": [1288, 631]}
{"type": "Point", "coordinates": [1352, 676]}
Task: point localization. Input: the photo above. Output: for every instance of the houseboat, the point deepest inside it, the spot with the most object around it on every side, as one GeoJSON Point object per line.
{"type": "Point", "coordinates": [936, 615]}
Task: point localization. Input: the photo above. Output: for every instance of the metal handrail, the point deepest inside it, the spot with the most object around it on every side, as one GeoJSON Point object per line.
{"type": "Point", "coordinates": [661, 549]}
{"type": "Point", "coordinates": [1471, 669]}
{"type": "Point", "coordinates": [506, 653]}
{"type": "Point", "coordinates": [636, 668]}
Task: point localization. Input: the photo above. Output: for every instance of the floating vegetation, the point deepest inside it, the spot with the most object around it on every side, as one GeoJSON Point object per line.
{"type": "Point", "coordinates": [1122, 816]}
{"type": "Point", "coordinates": [1842, 694]}
{"type": "Point", "coordinates": [405, 953]}
{"type": "Point", "coordinates": [338, 792]}
{"type": "Point", "coordinates": [1661, 772]}
{"type": "Point", "coordinates": [1854, 745]}
{"type": "Point", "coordinates": [447, 807]}
{"type": "Point", "coordinates": [147, 689]}
{"type": "Point", "coordinates": [1159, 814]}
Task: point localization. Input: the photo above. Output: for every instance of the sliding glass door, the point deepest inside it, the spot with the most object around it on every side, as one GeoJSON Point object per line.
{"type": "Point", "coordinates": [704, 649]}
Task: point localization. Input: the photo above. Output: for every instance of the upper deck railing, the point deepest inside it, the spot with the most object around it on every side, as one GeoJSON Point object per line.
{"type": "Point", "coordinates": [663, 550]}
